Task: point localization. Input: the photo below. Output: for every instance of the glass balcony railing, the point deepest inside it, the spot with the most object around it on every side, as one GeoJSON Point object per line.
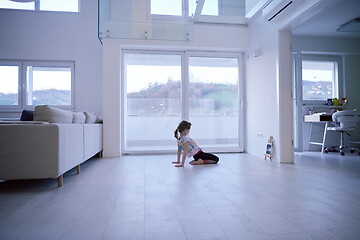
{"type": "Point", "coordinates": [150, 30]}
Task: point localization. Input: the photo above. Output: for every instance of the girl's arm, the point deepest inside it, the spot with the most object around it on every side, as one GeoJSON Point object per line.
{"type": "Point", "coordinates": [186, 150]}
{"type": "Point", "coordinates": [178, 155]}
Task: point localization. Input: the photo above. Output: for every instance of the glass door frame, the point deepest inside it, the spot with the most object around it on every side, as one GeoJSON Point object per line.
{"type": "Point", "coordinates": [241, 118]}
{"type": "Point", "coordinates": [185, 55]}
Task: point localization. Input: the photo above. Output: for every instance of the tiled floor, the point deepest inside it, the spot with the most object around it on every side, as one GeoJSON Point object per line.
{"type": "Point", "coordinates": [145, 197]}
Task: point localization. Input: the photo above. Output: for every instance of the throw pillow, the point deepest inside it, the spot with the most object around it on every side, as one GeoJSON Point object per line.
{"type": "Point", "coordinates": [90, 117]}
{"type": "Point", "coordinates": [99, 120]}
{"type": "Point", "coordinates": [52, 115]}
{"type": "Point", "coordinates": [78, 117]}
{"type": "Point", "coordinates": [27, 115]}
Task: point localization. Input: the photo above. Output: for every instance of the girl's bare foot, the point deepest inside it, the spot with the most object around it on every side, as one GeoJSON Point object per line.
{"type": "Point", "coordinates": [175, 162]}
{"type": "Point", "coordinates": [198, 162]}
{"type": "Point", "coordinates": [192, 162]}
{"type": "Point", "coordinates": [179, 165]}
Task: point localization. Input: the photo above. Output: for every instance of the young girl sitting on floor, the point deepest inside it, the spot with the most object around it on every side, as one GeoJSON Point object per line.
{"type": "Point", "coordinates": [190, 148]}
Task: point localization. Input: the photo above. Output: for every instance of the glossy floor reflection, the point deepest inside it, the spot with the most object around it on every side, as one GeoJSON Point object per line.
{"type": "Point", "coordinates": [145, 197]}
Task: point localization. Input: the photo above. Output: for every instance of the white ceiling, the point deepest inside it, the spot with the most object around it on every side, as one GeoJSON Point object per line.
{"type": "Point", "coordinates": [325, 23]}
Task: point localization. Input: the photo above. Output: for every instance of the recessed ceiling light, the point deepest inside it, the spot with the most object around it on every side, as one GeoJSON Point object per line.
{"type": "Point", "coordinates": [351, 26]}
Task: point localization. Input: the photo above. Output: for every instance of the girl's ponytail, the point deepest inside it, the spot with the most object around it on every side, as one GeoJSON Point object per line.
{"type": "Point", "coordinates": [176, 134]}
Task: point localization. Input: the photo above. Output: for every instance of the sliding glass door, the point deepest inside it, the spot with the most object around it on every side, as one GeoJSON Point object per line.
{"type": "Point", "coordinates": [152, 100]}
{"type": "Point", "coordinates": [162, 88]}
{"type": "Point", "coordinates": [214, 101]}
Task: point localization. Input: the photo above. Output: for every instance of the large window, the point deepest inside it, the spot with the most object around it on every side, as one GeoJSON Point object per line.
{"type": "Point", "coordinates": [161, 89]}
{"type": "Point", "coordinates": [25, 84]}
{"type": "Point", "coordinates": [48, 85]}
{"type": "Point", "coordinates": [42, 5]}
{"type": "Point", "coordinates": [319, 79]}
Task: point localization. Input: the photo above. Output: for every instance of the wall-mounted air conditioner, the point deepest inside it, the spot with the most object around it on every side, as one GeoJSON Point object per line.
{"type": "Point", "coordinates": [284, 10]}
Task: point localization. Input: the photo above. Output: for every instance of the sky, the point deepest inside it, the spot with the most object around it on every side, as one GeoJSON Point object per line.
{"type": "Point", "coordinates": [8, 79]}
{"type": "Point", "coordinates": [318, 71]}
{"type": "Point", "coordinates": [318, 75]}
{"type": "Point", "coordinates": [60, 80]}
{"type": "Point", "coordinates": [174, 7]}
{"type": "Point", "coordinates": [139, 77]}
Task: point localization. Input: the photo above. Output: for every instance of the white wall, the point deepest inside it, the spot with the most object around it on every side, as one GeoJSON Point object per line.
{"type": "Point", "coordinates": [29, 35]}
{"type": "Point", "coordinates": [268, 91]}
{"type": "Point", "coordinates": [349, 49]}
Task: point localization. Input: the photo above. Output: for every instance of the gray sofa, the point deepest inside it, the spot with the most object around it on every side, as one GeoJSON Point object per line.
{"type": "Point", "coordinates": [44, 149]}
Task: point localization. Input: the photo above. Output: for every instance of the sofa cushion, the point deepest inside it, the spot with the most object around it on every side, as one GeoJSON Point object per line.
{"type": "Point", "coordinates": [99, 120]}
{"type": "Point", "coordinates": [27, 115]}
{"type": "Point", "coordinates": [90, 117]}
{"type": "Point", "coordinates": [79, 117]}
{"type": "Point", "coordinates": [52, 115]}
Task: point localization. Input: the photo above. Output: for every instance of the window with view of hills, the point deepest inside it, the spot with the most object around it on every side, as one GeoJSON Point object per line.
{"type": "Point", "coordinates": [26, 84]}
{"type": "Point", "coordinates": [48, 85]}
{"type": "Point", "coordinates": [319, 79]}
